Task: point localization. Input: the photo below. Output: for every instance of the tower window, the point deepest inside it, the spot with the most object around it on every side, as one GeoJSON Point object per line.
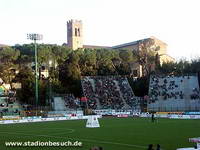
{"type": "Point", "coordinates": [76, 32]}
{"type": "Point", "coordinates": [79, 34]}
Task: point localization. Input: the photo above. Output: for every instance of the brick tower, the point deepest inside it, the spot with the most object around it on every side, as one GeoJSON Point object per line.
{"type": "Point", "coordinates": [74, 34]}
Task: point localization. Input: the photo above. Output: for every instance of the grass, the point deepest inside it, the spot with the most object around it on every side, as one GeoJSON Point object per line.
{"type": "Point", "coordinates": [114, 133]}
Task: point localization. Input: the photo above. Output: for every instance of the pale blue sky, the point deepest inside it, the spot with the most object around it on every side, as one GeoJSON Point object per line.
{"type": "Point", "coordinates": [105, 22]}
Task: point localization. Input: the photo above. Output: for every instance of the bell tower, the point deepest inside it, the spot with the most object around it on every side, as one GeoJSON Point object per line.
{"type": "Point", "coordinates": [74, 34]}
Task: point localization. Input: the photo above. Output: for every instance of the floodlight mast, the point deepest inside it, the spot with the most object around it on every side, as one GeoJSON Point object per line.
{"type": "Point", "coordinates": [35, 37]}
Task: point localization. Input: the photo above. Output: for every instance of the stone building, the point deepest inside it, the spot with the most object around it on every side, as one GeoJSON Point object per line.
{"type": "Point", "coordinates": [75, 41]}
{"type": "Point", "coordinates": [2, 46]}
{"type": "Point", "coordinates": [162, 52]}
{"type": "Point", "coordinates": [74, 34]}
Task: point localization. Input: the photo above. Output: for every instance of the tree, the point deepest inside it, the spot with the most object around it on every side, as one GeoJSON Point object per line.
{"type": "Point", "coordinates": [25, 49]}
{"type": "Point", "coordinates": [167, 68]}
{"type": "Point", "coordinates": [60, 53]}
{"type": "Point", "coordinates": [27, 80]}
{"type": "Point", "coordinates": [88, 62]}
{"type": "Point", "coordinates": [44, 54]}
{"type": "Point", "coordinates": [128, 59]}
{"type": "Point", "coordinates": [8, 57]}
{"type": "Point", "coordinates": [70, 75]}
{"type": "Point", "coordinates": [104, 62]}
{"type": "Point", "coordinates": [140, 86]}
{"type": "Point", "coordinates": [146, 55]}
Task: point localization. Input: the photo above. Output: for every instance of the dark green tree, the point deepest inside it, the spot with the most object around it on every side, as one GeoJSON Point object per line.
{"type": "Point", "coordinates": [27, 80]}
{"type": "Point", "coordinates": [8, 66]}
{"type": "Point", "coordinates": [146, 55]}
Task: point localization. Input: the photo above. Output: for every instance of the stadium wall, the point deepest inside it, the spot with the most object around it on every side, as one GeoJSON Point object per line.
{"type": "Point", "coordinates": [39, 119]}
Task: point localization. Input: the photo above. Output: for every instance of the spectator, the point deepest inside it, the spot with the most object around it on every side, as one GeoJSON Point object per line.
{"type": "Point", "coordinates": [109, 92]}
{"type": "Point", "coordinates": [158, 147]}
{"type": "Point", "coordinates": [150, 147]}
{"type": "Point", "coordinates": [96, 148]}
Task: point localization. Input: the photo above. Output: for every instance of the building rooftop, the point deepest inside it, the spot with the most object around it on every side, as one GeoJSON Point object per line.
{"type": "Point", "coordinates": [2, 45]}
{"type": "Point", "coordinates": [136, 42]}
{"type": "Point", "coordinates": [127, 44]}
{"type": "Point", "coordinates": [96, 47]}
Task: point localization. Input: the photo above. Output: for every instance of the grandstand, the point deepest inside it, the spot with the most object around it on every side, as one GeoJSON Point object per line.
{"type": "Point", "coordinates": [59, 104]}
{"type": "Point", "coordinates": [174, 93]}
{"type": "Point", "coordinates": [71, 102]}
{"type": "Point", "coordinates": [8, 103]}
{"type": "Point", "coordinates": [109, 92]}
{"type": "Point", "coordinates": [63, 102]}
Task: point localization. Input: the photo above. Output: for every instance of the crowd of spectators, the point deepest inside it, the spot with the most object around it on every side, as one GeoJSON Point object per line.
{"type": "Point", "coordinates": [169, 87]}
{"type": "Point", "coordinates": [195, 94]}
{"type": "Point", "coordinates": [165, 88]}
{"type": "Point", "coordinates": [109, 91]}
{"type": "Point", "coordinates": [8, 103]}
{"type": "Point", "coordinates": [71, 102]}
{"type": "Point", "coordinates": [6, 108]}
{"type": "Point", "coordinates": [127, 93]}
{"type": "Point", "coordinates": [89, 93]}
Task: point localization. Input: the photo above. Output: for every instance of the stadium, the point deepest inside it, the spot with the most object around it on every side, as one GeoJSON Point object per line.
{"type": "Point", "coordinates": [123, 120]}
{"type": "Point", "coordinates": [129, 96]}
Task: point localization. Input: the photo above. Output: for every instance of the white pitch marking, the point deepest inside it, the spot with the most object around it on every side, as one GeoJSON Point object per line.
{"type": "Point", "coordinates": [70, 131]}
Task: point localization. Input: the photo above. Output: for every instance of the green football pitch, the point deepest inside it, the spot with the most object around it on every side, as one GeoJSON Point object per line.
{"type": "Point", "coordinates": [114, 133]}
